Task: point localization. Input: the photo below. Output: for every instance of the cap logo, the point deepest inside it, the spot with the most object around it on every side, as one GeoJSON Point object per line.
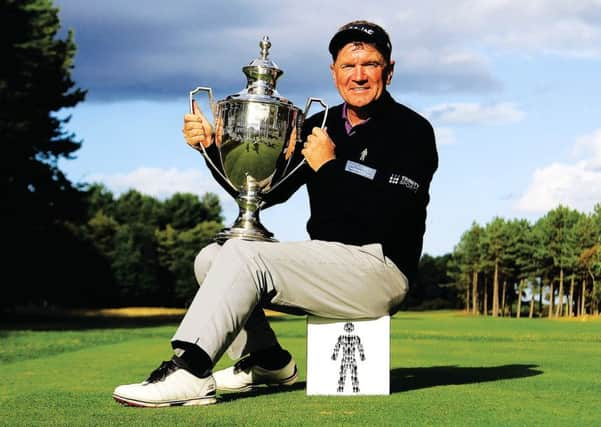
{"type": "Point", "coordinates": [369, 31]}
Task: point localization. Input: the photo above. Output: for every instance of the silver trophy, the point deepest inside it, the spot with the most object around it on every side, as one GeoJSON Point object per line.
{"type": "Point", "coordinates": [256, 131]}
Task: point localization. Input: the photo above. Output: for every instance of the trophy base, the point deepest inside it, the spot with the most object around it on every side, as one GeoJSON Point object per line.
{"type": "Point", "coordinates": [244, 234]}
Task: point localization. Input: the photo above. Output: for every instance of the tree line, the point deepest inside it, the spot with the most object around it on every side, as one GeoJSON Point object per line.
{"type": "Point", "coordinates": [149, 245]}
{"type": "Point", "coordinates": [548, 268]}
{"type": "Point", "coordinates": [131, 250]}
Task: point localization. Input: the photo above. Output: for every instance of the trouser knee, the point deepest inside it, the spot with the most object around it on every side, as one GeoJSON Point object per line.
{"type": "Point", "coordinates": [203, 261]}
{"type": "Point", "coordinates": [243, 256]}
{"type": "Point", "coordinates": [237, 252]}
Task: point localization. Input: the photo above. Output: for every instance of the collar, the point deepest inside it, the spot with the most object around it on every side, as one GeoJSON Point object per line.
{"type": "Point", "coordinates": [348, 126]}
{"type": "Point", "coordinates": [376, 108]}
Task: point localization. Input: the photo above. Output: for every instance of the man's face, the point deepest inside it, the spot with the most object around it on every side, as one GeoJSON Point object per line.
{"type": "Point", "coordinates": [360, 74]}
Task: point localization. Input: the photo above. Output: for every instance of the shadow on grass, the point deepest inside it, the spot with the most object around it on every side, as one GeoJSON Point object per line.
{"type": "Point", "coordinates": [406, 379]}
{"type": "Point", "coordinates": [261, 391]}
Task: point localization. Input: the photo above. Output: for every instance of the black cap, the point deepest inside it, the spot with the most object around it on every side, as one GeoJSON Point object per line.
{"type": "Point", "coordinates": [361, 31]}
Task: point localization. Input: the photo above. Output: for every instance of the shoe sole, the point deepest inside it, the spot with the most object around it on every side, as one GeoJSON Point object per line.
{"type": "Point", "coordinates": [286, 382]}
{"type": "Point", "coordinates": [209, 400]}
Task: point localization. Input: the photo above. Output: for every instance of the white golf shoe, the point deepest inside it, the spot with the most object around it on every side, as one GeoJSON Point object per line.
{"type": "Point", "coordinates": [246, 375]}
{"type": "Point", "coordinates": [168, 385]}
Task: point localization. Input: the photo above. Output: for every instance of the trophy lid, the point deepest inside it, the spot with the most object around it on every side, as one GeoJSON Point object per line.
{"type": "Point", "coordinates": [261, 74]}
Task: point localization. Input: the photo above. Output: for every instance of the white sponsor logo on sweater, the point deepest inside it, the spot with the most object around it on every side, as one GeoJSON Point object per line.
{"type": "Point", "coordinates": [404, 181]}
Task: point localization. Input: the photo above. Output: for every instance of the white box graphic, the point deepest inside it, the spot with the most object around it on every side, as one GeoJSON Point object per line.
{"type": "Point", "coordinates": [348, 357]}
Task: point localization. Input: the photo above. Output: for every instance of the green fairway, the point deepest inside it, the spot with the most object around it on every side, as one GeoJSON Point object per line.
{"type": "Point", "coordinates": [446, 369]}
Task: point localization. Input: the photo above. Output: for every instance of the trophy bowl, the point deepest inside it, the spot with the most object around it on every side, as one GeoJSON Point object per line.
{"type": "Point", "coordinates": [256, 131]}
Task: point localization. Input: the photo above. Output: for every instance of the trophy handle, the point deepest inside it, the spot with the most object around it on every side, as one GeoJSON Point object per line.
{"type": "Point", "coordinates": [310, 101]}
{"type": "Point", "coordinates": [211, 99]}
{"type": "Point", "coordinates": [213, 105]}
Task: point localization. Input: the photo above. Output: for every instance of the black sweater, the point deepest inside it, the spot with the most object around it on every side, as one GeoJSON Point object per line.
{"type": "Point", "coordinates": [377, 188]}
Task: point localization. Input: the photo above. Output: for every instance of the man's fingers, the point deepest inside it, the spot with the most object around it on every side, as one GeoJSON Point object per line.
{"type": "Point", "coordinates": [197, 129]}
{"type": "Point", "coordinates": [190, 125]}
{"type": "Point", "coordinates": [195, 132]}
{"type": "Point", "coordinates": [195, 108]}
{"type": "Point", "coordinates": [317, 131]}
{"type": "Point", "coordinates": [320, 131]}
{"type": "Point", "coordinates": [196, 113]}
{"type": "Point", "coordinates": [197, 121]}
{"type": "Point", "coordinates": [320, 134]}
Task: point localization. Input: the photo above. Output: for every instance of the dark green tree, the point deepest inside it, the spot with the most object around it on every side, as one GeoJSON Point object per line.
{"type": "Point", "coordinates": [135, 265]}
{"type": "Point", "coordinates": [133, 207]}
{"type": "Point", "coordinates": [177, 250]}
{"type": "Point", "coordinates": [520, 268]}
{"type": "Point", "coordinates": [99, 199]}
{"type": "Point", "coordinates": [494, 248]}
{"type": "Point", "coordinates": [544, 263]}
{"type": "Point", "coordinates": [433, 287]}
{"type": "Point", "coordinates": [587, 246]}
{"type": "Point", "coordinates": [211, 207]}
{"type": "Point", "coordinates": [37, 198]}
{"type": "Point", "coordinates": [185, 210]}
{"type": "Point", "coordinates": [467, 260]}
{"type": "Point", "coordinates": [559, 240]}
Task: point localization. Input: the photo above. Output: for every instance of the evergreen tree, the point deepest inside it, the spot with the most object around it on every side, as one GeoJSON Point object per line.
{"type": "Point", "coordinates": [185, 210]}
{"type": "Point", "coordinates": [520, 267]}
{"type": "Point", "coordinates": [560, 222]}
{"type": "Point", "coordinates": [467, 259]}
{"type": "Point", "coordinates": [99, 199]}
{"type": "Point", "coordinates": [543, 260]}
{"type": "Point", "coordinates": [133, 207]}
{"type": "Point", "coordinates": [35, 84]}
{"type": "Point", "coordinates": [37, 198]}
{"type": "Point", "coordinates": [211, 207]}
{"type": "Point", "coordinates": [135, 265]}
{"type": "Point", "coordinates": [494, 247]}
{"type": "Point", "coordinates": [433, 288]}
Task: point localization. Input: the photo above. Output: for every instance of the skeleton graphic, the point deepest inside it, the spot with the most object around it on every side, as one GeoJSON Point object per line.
{"type": "Point", "coordinates": [349, 343]}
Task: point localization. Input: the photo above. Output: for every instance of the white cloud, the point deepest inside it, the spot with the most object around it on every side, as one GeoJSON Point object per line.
{"type": "Point", "coordinates": [590, 146]}
{"type": "Point", "coordinates": [474, 113]}
{"type": "Point", "coordinates": [162, 183]}
{"type": "Point", "coordinates": [158, 182]}
{"type": "Point", "coordinates": [577, 184]}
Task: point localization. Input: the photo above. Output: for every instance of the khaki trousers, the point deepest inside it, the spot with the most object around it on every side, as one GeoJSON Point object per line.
{"type": "Point", "coordinates": [326, 279]}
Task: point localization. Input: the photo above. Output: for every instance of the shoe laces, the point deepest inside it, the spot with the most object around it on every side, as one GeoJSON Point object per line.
{"type": "Point", "coordinates": [160, 373]}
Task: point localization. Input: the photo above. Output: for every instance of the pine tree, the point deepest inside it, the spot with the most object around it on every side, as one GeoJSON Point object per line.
{"type": "Point", "coordinates": [35, 86]}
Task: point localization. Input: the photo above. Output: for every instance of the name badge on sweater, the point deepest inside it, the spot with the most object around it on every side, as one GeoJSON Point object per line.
{"type": "Point", "coordinates": [359, 169]}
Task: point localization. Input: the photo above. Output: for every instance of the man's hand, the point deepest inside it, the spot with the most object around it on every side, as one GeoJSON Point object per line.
{"type": "Point", "coordinates": [197, 129]}
{"type": "Point", "coordinates": [319, 148]}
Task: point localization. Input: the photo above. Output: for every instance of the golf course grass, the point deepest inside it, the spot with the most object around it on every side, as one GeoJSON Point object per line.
{"type": "Point", "coordinates": [447, 368]}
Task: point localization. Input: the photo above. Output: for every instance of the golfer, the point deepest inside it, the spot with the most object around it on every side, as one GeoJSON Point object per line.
{"type": "Point", "coordinates": [368, 174]}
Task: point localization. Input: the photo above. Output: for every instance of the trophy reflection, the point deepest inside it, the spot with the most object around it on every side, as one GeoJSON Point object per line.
{"type": "Point", "coordinates": [256, 131]}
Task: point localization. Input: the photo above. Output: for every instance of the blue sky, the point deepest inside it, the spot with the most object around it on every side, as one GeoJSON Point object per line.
{"type": "Point", "coordinates": [512, 89]}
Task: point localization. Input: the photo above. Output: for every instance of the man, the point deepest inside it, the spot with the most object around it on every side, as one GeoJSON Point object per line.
{"type": "Point", "coordinates": [368, 176]}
